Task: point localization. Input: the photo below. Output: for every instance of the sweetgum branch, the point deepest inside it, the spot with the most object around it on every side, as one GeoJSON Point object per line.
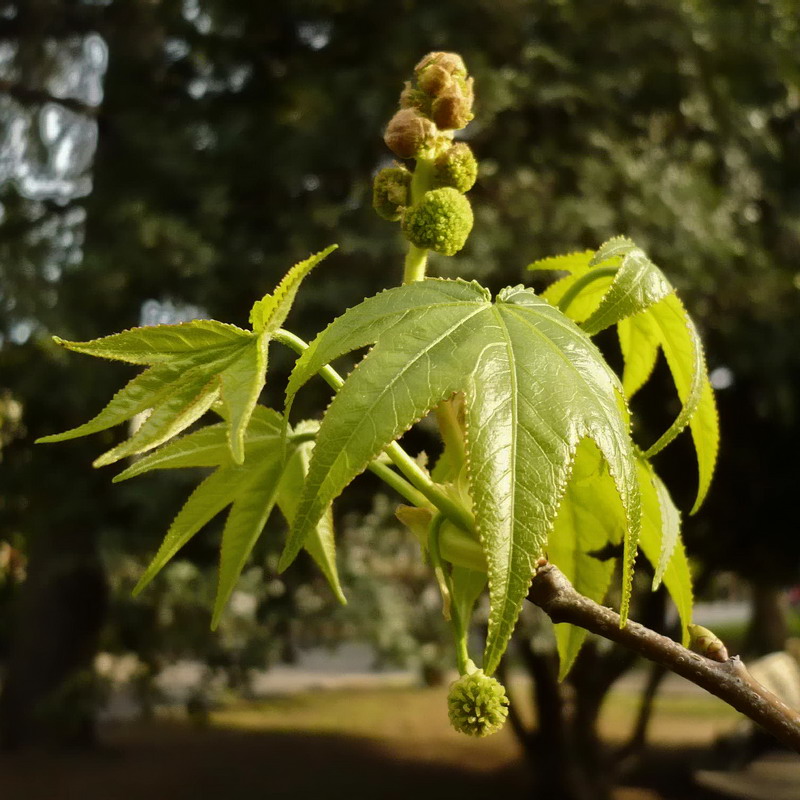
{"type": "Point", "coordinates": [728, 680]}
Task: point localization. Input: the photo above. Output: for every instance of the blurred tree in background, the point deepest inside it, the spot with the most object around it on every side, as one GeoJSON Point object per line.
{"type": "Point", "coordinates": [164, 160]}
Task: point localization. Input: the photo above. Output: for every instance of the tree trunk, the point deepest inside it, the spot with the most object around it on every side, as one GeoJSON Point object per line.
{"type": "Point", "coordinates": [768, 628]}
{"type": "Point", "coordinates": [49, 694]}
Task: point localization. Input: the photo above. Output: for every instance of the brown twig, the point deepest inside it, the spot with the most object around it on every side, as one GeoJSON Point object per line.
{"type": "Point", "coordinates": [728, 680]}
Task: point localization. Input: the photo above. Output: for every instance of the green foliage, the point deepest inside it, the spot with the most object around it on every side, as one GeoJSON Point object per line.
{"type": "Point", "coordinates": [266, 477]}
{"type": "Point", "coordinates": [550, 388]}
{"type": "Point", "coordinates": [538, 458]}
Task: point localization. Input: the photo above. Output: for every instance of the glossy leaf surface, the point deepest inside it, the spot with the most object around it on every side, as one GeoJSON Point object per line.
{"type": "Point", "coordinates": [534, 386]}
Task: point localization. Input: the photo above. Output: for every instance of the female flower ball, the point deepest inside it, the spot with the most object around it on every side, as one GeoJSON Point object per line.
{"type": "Point", "coordinates": [477, 704]}
{"type": "Point", "coordinates": [440, 221]}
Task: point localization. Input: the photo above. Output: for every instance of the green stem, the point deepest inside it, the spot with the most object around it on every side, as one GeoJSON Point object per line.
{"type": "Point", "coordinates": [415, 264]}
{"type": "Point", "coordinates": [456, 513]}
{"type": "Point", "coordinates": [422, 489]}
{"type": "Point", "coordinates": [449, 608]}
{"type": "Point", "coordinates": [417, 258]}
{"type": "Point", "coordinates": [581, 283]}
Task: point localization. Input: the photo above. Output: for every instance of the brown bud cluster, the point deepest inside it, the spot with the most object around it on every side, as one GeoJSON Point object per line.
{"type": "Point", "coordinates": [409, 133]}
{"type": "Point", "coordinates": [443, 78]}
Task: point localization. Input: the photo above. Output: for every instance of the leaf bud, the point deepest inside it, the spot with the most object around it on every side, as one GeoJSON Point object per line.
{"type": "Point", "coordinates": [477, 704]}
{"type": "Point", "coordinates": [456, 167]}
{"type": "Point", "coordinates": [409, 133]}
{"type": "Point", "coordinates": [391, 191]}
{"type": "Point", "coordinates": [707, 643]}
{"type": "Point", "coordinates": [440, 221]}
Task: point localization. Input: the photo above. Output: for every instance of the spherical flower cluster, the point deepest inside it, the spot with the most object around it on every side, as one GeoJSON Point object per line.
{"type": "Point", "coordinates": [456, 167]}
{"type": "Point", "coordinates": [477, 704]}
{"type": "Point", "coordinates": [440, 221]}
{"type": "Point", "coordinates": [391, 191]}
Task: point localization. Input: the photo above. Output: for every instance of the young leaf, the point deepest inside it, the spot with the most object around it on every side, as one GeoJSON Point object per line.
{"type": "Point", "coordinates": [269, 313]}
{"type": "Point", "coordinates": [639, 343]}
{"type": "Point", "coordinates": [194, 364]}
{"type": "Point", "coordinates": [575, 263]}
{"type": "Point", "coordinates": [143, 392]}
{"type": "Point", "coordinates": [251, 489]}
{"type": "Point", "coordinates": [584, 304]}
{"type": "Point", "coordinates": [660, 542]}
{"type": "Point", "coordinates": [534, 386]}
{"type": "Point", "coordinates": [253, 499]}
{"type": "Point", "coordinates": [589, 517]}
{"type": "Point", "coordinates": [320, 541]}
{"type": "Point", "coordinates": [668, 323]}
{"type": "Point", "coordinates": [640, 300]}
{"type": "Point", "coordinates": [637, 285]}
{"type": "Point", "coordinates": [157, 344]}
{"type": "Point", "coordinates": [240, 385]}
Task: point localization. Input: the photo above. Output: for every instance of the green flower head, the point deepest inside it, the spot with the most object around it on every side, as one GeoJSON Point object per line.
{"type": "Point", "coordinates": [440, 221]}
{"type": "Point", "coordinates": [390, 192]}
{"type": "Point", "coordinates": [457, 167]}
{"type": "Point", "coordinates": [477, 704]}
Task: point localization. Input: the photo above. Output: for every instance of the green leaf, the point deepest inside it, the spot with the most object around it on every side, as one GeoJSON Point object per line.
{"type": "Point", "coordinates": [574, 263]}
{"type": "Point", "coordinates": [191, 398]}
{"type": "Point", "coordinates": [216, 492]}
{"type": "Point", "coordinates": [639, 343]}
{"type": "Point", "coordinates": [241, 384]}
{"type": "Point", "coordinates": [208, 446]}
{"type": "Point", "coordinates": [590, 516]}
{"type": "Point", "coordinates": [181, 386]}
{"type": "Point", "coordinates": [637, 285]}
{"type": "Point", "coordinates": [255, 477]}
{"type": "Point", "coordinates": [661, 543]}
{"type": "Point", "coordinates": [668, 323]}
{"type": "Point", "coordinates": [320, 541]}
{"type": "Point", "coordinates": [269, 313]}
{"type": "Point", "coordinates": [194, 364]}
{"type": "Point", "coordinates": [251, 489]}
{"type": "Point", "coordinates": [156, 344]}
{"type": "Point", "coordinates": [641, 301]}
{"type": "Point", "coordinates": [143, 392]}
{"type": "Point", "coordinates": [252, 503]}
{"type": "Point", "coordinates": [534, 386]}
{"type": "Point", "coordinates": [585, 302]}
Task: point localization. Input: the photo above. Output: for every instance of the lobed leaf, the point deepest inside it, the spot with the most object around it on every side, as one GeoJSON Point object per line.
{"type": "Point", "coordinates": [585, 302]}
{"type": "Point", "coordinates": [251, 489]}
{"type": "Point", "coordinates": [208, 446]}
{"type": "Point", "coordinates": [193, 364]}
{"type": "Point", "coordinates": [639, 343]}
{"type": "Point", "coordinates": [534, 386]}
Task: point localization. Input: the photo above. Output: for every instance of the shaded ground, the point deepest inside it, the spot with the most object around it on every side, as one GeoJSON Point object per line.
{"type": "Point", "coordinates": [371, 744]}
